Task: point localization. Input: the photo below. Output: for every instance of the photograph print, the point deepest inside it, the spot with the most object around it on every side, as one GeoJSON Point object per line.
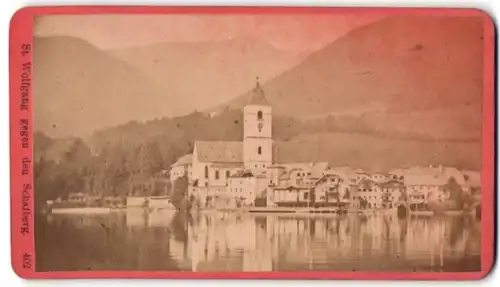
{"type": "Point", "coordinates": [258, 142]}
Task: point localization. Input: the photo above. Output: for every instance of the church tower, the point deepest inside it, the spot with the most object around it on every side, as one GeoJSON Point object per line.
{"type": "Point", "coordinates": [257, 131]}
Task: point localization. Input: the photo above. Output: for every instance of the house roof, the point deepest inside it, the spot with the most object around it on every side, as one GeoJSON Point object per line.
{"type": "Point", "coordinates": [328, 175]}
{"type": "Point", "coordinates": [291, 187]}
{"type": "Point", "coordinates": [183, 160]}
{"type": "Point", "coordinates": [313, 170]}
{"type": "Point", "coordinates": [343, 171]}
{"type": "Point", "coordinates": [391, 184]}
{"type": "Point", "coordinates": [243, 173]}
{"type": "Point", "coordinates": [366, 182]}
{"type": "Point", "coordinates": [318, 169]}
{"type": "Point", "coordinates": [219, 151]}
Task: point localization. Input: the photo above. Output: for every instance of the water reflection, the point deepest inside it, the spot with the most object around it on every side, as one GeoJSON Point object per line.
{"type": "Point", "coordinates": [165, 240]}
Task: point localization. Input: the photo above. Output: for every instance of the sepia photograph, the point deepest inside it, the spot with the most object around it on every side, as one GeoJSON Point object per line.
{"type": "Point", "coordinates": [258, 142]}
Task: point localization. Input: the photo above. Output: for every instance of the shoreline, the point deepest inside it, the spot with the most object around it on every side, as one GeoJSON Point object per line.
{"type": "Point", "coordinates": [258, 211]}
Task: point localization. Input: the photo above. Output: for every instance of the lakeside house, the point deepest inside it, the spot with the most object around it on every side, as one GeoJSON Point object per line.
{"type": "Point", "coordinates": [182, 167]}
{"type": "Point", "coordinates": [332, 190]}
{"type": "Point", "coordinates": [426, 185]}
{"type": "Point", "coordinates": [245, 186]}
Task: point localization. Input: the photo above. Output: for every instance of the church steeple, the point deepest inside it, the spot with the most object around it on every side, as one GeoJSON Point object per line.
{"type": "Point", "coordinates": [257, 130]}
{"type": "Point", "coordinates": [258, 96]}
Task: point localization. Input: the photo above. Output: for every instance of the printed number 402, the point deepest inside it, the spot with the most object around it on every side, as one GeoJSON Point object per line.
{"type": "Point", "coordinates": [26, 261]}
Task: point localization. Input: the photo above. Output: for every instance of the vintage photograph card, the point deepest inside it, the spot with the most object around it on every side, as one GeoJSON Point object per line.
{"type": "Point", "coordinates": [252, 143]}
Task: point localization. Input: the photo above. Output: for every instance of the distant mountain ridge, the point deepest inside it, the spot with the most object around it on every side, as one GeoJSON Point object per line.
{"type": "Point", "coordinates": [204, 74]}
{"type": "Point", "coordinates": [428, 68]}
{"type": "Point", "coordinates": [401, 63]}
{"type": "Point", "coordinates": [79, 88]}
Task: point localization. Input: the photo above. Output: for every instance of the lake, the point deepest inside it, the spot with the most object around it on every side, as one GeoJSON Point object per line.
{"type": "Point", "coordinates": [213, 241]}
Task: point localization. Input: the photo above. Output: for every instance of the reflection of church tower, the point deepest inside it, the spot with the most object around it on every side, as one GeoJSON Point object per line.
{"type": "Point", "coordinates": [257, 131]}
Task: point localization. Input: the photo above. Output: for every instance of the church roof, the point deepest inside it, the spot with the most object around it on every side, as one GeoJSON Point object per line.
{"type": "Point", "coordinates": [219, 151]}
{"type": "Point", "coordinates": [258, 96]}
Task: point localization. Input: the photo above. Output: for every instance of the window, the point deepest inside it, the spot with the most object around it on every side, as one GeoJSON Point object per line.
{"type": "Point", "coordinates": [206, 171]}
{"type": "Point", "coordinates": [227, 174]}
{"type": "Point", "coordinates": [259, 150]}
{"type": "Point", "coordinates": [259, 115]}
{"type": "Point", "coordinates": [216, 174]}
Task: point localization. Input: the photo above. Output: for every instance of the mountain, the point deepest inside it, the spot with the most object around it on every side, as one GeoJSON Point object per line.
{"type": "Point", "coordinates": [205, 74]}
{"type": "Point", "coordinates": [373, 153]}
{"type": "Point", "coordinates": [400, 73]}
{"type": "Point", "coordinates": [79, 88]}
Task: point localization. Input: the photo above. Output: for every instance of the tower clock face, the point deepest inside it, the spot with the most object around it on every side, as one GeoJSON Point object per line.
{"type": "Point", "coordinates": [260, 126]}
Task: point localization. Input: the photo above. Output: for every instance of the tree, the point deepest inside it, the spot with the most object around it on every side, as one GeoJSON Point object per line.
{"type": "Point", "coordinates": [347, 194]}
{"type": "Point", "coordinates": [178, 194]}
{"type": "Point", "coordinates": [458, 196]}
{"type": "Point", "coordinates": [363, 203]}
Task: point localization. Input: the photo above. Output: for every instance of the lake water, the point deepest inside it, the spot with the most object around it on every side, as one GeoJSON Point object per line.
{"type": "Point", "coordinates": [212, 241]}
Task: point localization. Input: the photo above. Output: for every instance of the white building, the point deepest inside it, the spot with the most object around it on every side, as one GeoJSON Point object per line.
{"type": "Point", "coordinates": [294, 183]}
{"type": "Point", "coordinates": [182, 167]}
{"type": "Point", "coordinates": [370, 193]}
{"type": "Point", "coordinates": [244, 187]}
{"type": "Point", "coordinates": [427, 184]}
{"type": "Point", "coordinates": [332, 188]}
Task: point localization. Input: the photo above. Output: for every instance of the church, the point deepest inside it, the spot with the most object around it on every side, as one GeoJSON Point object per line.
{"type": "Point", "coordinates": [213, 163]}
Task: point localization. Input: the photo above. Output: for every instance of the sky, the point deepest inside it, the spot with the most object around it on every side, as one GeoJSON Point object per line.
{"type": "Point", "coordinates": [295, 33]}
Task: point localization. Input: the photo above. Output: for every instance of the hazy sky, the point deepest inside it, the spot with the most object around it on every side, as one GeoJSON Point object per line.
{"type": "Point", "coordinates": [295, 33]}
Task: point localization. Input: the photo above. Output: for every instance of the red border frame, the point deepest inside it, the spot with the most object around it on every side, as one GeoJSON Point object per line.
{"type": "Point", "coordinates": [21, 33]}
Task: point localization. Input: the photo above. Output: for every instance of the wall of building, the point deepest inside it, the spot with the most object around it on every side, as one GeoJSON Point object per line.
{"type": "Point", "coordinates": [257, 136]}
{"type": "Point", "coordinates": [242, 187]}
{"type": "Point", "coordinates": [251, 121]}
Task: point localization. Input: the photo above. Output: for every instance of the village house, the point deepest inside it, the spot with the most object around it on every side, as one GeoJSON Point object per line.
{"type": "Point", "coordinates": [331, 189]}
{"type": "Point", "coordinates": [348, 175]}
{"type": "Point", "coordinates": [294, 183]}
{"type": "Point", "coordinates": [182, 167]}
{"type": "Point", "coordinates": [379, 195]}
{"type": "Point", "coordinates": [361, 176]}
{"type": "Point", "coordinates": [244, 187]}
{"type": "Point", "coordinates": [368, 195]}
{"type": "Point", "coordinates": [426, 185]}
{"type": "Point", "coordinates": [291, 195]}
{"type": "Point", "coordinates": [397, 174]}
{"type": "Point", "coordinates": [392, 193]}
{"type": "Point", "coordinates": [379, 177]}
